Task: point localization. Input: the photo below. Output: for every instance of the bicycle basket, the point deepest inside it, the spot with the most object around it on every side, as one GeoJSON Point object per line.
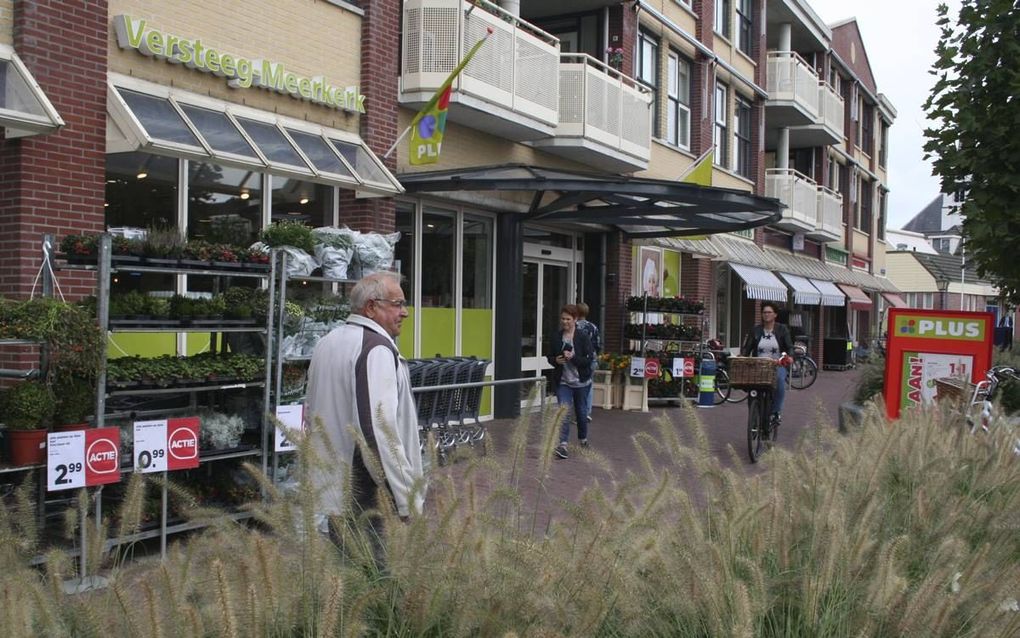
{"type": "Point", "coordinates": [751, 372]}
{"type": "Point", "coordinates": [951, 389]}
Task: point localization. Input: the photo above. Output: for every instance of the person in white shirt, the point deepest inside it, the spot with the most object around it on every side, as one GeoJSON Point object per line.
{"type": "Point", "coordinates": [359, 390]}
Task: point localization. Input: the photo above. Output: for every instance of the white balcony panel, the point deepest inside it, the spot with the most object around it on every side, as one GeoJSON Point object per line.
{"type": "Point", "coordinates": [510, 87]}
{"type": "Point", "coordinates": [799, 193]}
{"type": "Point", "coordinates": [793, 90]}
{"type": "Point", "coordinates": [604, 119]}
{"type": "Point", "coordinates": [831, 107]}
{"type": "Point", "coordinates": [830, 217]}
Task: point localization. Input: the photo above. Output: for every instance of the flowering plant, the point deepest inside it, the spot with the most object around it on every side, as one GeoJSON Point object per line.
{"type": "Point", "coordinates": [615, 55]}
{"type": "Point", "coordinates": [614, 362]}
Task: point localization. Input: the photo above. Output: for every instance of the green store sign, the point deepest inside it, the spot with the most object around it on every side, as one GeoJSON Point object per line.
{"type": "Point", "coordinates": [240, 72]}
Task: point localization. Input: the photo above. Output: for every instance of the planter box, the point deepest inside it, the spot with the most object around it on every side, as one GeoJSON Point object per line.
{"type": "Point", "coordinates": [607, 390]}
{"type": "Point", "coordinates": [635, 394]}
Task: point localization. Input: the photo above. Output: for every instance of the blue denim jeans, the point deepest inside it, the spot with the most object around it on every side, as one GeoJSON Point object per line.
{"type": "Point", "coordinates": [779, 396]}
{"type": "Point", "coordinates": [577, 399]}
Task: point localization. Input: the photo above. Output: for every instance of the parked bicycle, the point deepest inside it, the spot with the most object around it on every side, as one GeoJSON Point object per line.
{"type": "Point", "coordinates": [723, 387]}
{"type": "Point", "coordinates": [984, 395]}
{"type": "Point", "coordinates": [803, 369]}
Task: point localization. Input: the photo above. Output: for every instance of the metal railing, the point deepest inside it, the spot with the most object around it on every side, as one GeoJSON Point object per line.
{"type": "Point", "coordinates": [830, 109]}
{"type": "Point", "coordinates": [791, 78]}
{"type": "Point", "coordinates": [830, 213]}
{"type": "Point", "coordinates": [799, 193]}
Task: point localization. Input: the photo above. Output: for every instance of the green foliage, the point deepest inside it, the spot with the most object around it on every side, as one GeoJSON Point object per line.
{"type": "Point", "coordinates": [76, 400]}
{"type": "Point", "coordinates": [28, 405]}
{"type": "Point", "coordinates": [289, 233]}
{"type": "Point", "coordinates": [1009, 392]}
{"type": "Point", "coordinates": [870, 379]}
{"type": "Point", "coordinates": [167, 370]}
{"type": "Point", "coordinates": [69, 331]}
{"type": "Point", "coordinates": [974, 143]}
{"type": "Point", "coordinates": [163, 242]}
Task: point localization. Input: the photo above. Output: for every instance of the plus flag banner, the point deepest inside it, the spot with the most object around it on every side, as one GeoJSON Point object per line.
{"type": "Point", "coordinates": [429, 124]}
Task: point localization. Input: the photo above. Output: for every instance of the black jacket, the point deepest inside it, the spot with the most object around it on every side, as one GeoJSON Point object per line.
{"type": "Point", "coordinates": [781, 332]}
{"type": "Point", "coordinates": [583, 356]}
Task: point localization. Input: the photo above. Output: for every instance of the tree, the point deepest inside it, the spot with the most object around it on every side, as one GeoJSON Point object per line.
{"type": "Point", "coordinates": [976, 146]}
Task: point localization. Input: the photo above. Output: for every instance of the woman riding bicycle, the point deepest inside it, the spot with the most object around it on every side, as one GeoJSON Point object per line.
{"type": "Point", "coordinates": [772, 340]}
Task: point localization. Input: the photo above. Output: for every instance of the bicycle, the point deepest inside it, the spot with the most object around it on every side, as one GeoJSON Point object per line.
{"type": "Point", "coordinates": [984, 395]}
{"type": "Point", "coordinates": [762, 425]}
{"type": "Point", "coordinates": [725, 392]}
{"type": "Point", "coordinates": [803, 369]}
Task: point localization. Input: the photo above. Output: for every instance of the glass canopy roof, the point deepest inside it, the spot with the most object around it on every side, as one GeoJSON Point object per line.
{"type": "Point", "coordinates": [24, 108]}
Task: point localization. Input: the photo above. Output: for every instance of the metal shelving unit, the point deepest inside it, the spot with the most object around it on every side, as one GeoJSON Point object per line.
{"type": "Point", "coordinates": [698, 349]}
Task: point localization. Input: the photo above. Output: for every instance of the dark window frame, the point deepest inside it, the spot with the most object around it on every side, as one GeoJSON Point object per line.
{"type": "Point", "coordinates": [742, 146]}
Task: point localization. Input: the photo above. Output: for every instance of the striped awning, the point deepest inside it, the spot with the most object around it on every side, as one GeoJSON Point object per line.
{"type": "Point", "coordinates": [831, 295]}
{"type": "Point", "coordinates": [760, 284]}
{"type": "Point", "coordinates": [859, 300]}
{"type": "Point", "coordinates": [804, 292]}
{"type": "Point", "coordinates": [894, 300]}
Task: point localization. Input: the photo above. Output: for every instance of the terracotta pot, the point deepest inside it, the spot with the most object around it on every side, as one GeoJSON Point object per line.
{"type": "Point", "coordinates": [71, 427]}
{"type": "Point", "coordinates": [28, 447]}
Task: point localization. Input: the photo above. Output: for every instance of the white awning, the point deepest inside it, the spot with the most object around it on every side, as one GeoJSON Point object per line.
{"type": "Point", "coordinates": [831, 295]}
{"type": "Point", "coordinates": [169, 121]}
{"type": "Point", "coordinates": [24, 108]}
{"type": "Point", "coordinates": [803, 291]}
{"type": "Point", "coordinates": [761, 284]}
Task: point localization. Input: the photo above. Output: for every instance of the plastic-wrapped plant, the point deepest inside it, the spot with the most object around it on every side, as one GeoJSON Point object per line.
{"type": "Point", "coordinates": [289, 233]}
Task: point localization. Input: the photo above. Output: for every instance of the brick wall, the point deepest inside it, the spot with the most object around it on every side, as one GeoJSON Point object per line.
{"type": "Point", "coordinates": [619, 262]}
{"type": "Point", "coordinates": [380, 69]}
{"type": "Point", "coordinates": [697, 280]}
{"type": "Point", "coordinates": [56, 183]}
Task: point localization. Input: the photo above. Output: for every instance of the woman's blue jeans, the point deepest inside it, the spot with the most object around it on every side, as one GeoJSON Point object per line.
{"type": "Point", "coordinates": [779, 395]}
{"type": "Point", "coordinates": [577, 399]}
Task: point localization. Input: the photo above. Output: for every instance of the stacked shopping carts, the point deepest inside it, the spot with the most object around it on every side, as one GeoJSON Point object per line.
{"type": "Point", "coordinates": [449, 417]}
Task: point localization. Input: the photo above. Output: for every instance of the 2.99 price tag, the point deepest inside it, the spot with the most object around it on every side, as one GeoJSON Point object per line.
{"type": "Point", "coordinates": [82, 459]}
{"type": "Point", "coordinates": [291, 422]}
{"type": "Point", "coordinates": [166, 445]}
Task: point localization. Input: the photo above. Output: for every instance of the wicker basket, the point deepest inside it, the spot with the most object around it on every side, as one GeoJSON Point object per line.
{"type": "Point", "coordinates": [951, 389]}
{"type": "Point", "coordinates": [751, 372]}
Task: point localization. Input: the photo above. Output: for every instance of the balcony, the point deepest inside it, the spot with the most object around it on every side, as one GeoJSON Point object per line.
{"type": "Point", "coordinates": [830, 217]}
{"type": "Point", "coordinates": [509, 89]}
{"type": "Point", "coordinates": [799, 193]}
{"type": "Point", "coordinates": [828, 126]}
{"type": "Point", "coordinates": [605, 117]}
{"type": "Point", "coordinates": [793, 91]}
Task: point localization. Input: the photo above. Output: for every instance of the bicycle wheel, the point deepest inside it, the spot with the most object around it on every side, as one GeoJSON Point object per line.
{"type": "Point", "coordinates": [803, 373]}
{"type": "Point", "coordinates": [736, 394]}
{"type": "Point", "coordinates": [755, 427]}
{"type": "Point", "coordinates": [722, 387]}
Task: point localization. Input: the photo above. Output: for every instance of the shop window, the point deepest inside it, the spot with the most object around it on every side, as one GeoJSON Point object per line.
{"type": "Point", "coordinates": [403, 252]}
{"type": "Point", "coordinates": [300, 200]}
{"type": "Point", "coordinates": [438, 258]}
{"type": "Point", "coordinates": [141, 190]}
{"type": "Point", "coordinates": [477, 269]}
{"type": "Point", "coordinates": [224, 204]}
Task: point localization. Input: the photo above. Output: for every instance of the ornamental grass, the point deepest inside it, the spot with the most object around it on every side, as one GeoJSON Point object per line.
{"type": "Point", "coordinates": [903, 529]}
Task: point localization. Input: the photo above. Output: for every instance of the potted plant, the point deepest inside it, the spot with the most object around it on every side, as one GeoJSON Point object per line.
{"type": "Point", "coordinates": [163, 244]}
{"type": "Point", "coordinates": [75, 401]}
{"type": "Point", "coordinates": [28, 410]}
{"type": "Point", "coordinates": [289, 233]}
{"type": "Point", "coordinates": [80, 248]}
{"type": "Point", "coordinates": [220, 431]}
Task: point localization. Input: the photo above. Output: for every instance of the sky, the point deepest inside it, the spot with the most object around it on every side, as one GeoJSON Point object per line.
{"type": "Point", "coordinates": [900, 38]}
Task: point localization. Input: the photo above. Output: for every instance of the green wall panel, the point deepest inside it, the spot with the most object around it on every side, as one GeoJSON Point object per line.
{"type": "Point", "coordinates": [438, 332]}
{"type": "Point", "coordinates": [142, 344]}
{"type": "Point", "coordinates": [405, 342]}
{"type": "Point", "coordinates": [671, 273]}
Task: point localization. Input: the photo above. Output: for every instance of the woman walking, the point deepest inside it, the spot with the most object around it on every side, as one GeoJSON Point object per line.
{"type": "Point", "coordinates": [570, 353]}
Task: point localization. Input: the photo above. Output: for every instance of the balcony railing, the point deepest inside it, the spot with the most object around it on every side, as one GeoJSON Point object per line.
{"type": "Point", "coordinates": [791, 79]}
{"type": "Point", "coordinates": [830, 216]}
{"type": "Point", "coordinates": [799, 193]}
{"type": "Point", "coordinates": [517, 69]}
{"type": "Point", "coordinates": [831, 109]}
{"type": "Point", "coordinates": [600, 104]}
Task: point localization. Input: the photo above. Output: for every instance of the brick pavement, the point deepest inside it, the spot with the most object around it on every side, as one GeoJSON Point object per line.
{"type": "Point", "coordinates": [611, 433]}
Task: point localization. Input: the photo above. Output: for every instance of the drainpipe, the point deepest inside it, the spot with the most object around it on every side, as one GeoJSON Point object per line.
{"type": "Point", "coordinates": [513, 7]}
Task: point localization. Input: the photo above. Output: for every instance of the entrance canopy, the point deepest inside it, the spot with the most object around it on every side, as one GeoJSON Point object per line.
{"type": "Point", "coordinates": [24, 108]}
{"type": "Point", "coordinates": [635, 206]}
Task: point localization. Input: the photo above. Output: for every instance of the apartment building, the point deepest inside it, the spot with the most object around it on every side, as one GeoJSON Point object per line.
{"type": "Point", "coordinates": [558, 174]}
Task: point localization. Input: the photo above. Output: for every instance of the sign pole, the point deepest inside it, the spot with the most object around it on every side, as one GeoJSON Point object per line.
{"type": "Point", "coordinates": [162, 519]}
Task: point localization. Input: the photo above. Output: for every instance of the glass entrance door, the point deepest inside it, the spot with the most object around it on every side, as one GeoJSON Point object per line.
{"type": "Point", "coordinates": [546, 289]}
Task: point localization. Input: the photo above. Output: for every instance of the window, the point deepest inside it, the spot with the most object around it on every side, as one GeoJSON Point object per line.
{"type": "Point", "coordinates": [224, 204]}
{"type": "Point", "coordinates": [883, 151]}
{"type": "Point", "coordinates": [742, 132]}
{"type": "Point", "coordinates": [403, 252]}
{"type": "Point", "coordinates": [678, 115]}
{"type": "Point", "coordinates": [883, 199]}
{"type": "Point", "coordinates": [942, 244]}
{"type": "Point", "coordinates": [721, 131]}
{"type": "Point", "coordinates": [744, 22]}
{"type": "Point", "coordinates": [477, 269]}
{"type": "Point", "coordinates": [722, 18]}
{"type": "Point", "coordinates": [438, 255]}
{"type": "Point", "coordinates": [648, 69]}
{"type": "Point", "coordinates": [921, 300]}
{"type": "Point", "coordinates": [867, 132]}
{"type": "Point", "coordinates": [866, 206]}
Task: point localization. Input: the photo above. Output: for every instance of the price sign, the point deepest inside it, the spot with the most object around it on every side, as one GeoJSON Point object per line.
{"type": "Point", "coordinates": [166, 445]}
{"type": "Point", "coordinates": [292, 418]}
{"type": "Point", "coordinates": [82, 459]}
{"type": "Point", "coordinates": [683, 367]}
{"type": "Point", "coordinates": [637, 367]}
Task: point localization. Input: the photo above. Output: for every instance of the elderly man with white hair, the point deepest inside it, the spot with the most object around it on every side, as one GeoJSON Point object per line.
{"type": "Point", "coordinates": [359, 388]}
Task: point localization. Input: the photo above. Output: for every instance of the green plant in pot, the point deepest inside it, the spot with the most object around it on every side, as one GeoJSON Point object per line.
{"type": "Point", "coordinates": [28, 409]}
{"type": "Point", "coordinates": [76, 400]}
{"type": "Point", "coordinates": [289, 233]}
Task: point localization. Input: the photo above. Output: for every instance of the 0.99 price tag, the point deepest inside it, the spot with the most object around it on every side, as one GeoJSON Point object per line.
{"type": "Point", "coordinates": [166, 445]}
{"type": "Point", "coordinates": [82, 459]}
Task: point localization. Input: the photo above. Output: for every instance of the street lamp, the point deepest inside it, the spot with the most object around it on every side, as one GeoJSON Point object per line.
{"type": "Point", "coordinates": [942, 284]}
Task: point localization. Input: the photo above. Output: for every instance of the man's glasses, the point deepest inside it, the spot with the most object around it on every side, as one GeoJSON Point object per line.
{"type": "Point", "coordinates": [399, 303]}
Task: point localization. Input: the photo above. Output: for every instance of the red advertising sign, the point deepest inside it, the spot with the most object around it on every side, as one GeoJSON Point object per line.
{"type": "Point", "coordinates": [83, 458]}
{"type": "Point", "coordinates": [688, 367]}
{"type": "Point", "coordinates": [651, 368]}
{"type": "Point", "coordinates": [925, 345]}
{"type": "Point", "coordinates": [182, 443]}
